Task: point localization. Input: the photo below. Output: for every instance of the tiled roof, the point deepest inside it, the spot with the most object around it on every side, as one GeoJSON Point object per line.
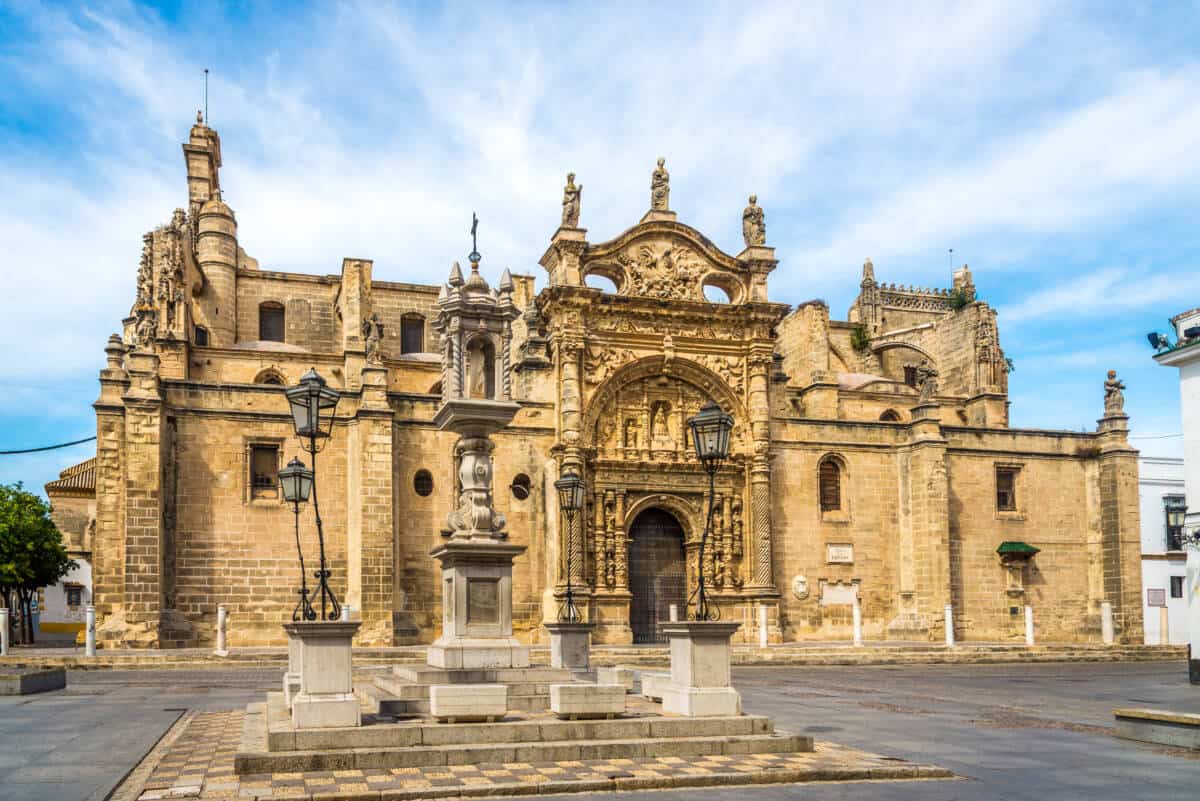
{"type": "Point", "coordinates": [80, 478]}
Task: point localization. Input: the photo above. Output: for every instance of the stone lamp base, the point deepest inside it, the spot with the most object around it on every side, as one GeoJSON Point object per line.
{"type": "Point", "coordinates": [700, 669]}
{"type": "Point", "coordinates": [570, 645]}
{"type": "Point", "coordinates": [326, 696]}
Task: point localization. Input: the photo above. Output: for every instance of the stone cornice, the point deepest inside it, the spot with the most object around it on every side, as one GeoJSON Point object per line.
{"type": "Point", "coordinates": [660, 227]}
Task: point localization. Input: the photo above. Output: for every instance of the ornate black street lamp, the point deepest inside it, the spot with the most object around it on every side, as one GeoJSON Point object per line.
{"type": "Point", "coordinates": [570, 499]}
{"type": "Point", "coordinates": [710, 434]}
{"type": "Point", "coordinates": [295, 481]}
{"type": "Point", "coordinates": [313, 403]}
{"type": "Point", "coordinates": [1176, 519]}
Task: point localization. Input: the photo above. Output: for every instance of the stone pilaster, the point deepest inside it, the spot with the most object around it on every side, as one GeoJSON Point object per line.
{"type": "Point", "coordinates": [1120, 533]}
{"type": "Point", "coordinates": [371, 527]}
{"type": "Point", "coordinates": [762, 575]}
{"type": "Point", "coordinates": [108, 548]}
{"type": "Point", "coordinates": [924, 535]}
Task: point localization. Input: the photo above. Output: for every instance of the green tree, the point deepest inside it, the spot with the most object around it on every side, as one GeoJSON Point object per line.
{"type": "Point", "coordinates": [32, 555]}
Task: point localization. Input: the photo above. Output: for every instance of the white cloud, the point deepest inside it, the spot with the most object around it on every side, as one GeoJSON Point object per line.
{"type": "Point", "coordinates": [1102, 293]}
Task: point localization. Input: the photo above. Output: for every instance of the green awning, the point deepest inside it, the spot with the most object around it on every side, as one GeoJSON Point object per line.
{"type": "Point", "coordinates": [1016, 548]}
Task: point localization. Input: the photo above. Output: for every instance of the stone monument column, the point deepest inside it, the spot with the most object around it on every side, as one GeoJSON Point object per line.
{"type": "Point", "coordinates": [476, 557]}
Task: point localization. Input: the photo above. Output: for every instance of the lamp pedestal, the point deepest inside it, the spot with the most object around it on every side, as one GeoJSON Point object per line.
{"type": "Point", "coordinates": [700, 672]}
{"type": "Point", "coordinates": [326, 698]}
{"type": "Point", "coordinates": [570, 645]}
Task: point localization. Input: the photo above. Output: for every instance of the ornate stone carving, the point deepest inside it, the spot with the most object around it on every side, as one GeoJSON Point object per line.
{"type": "Point", "coordinates": [601, 361]}
{"type": "Point", "coordinates": [729, 368]}
{"type": "Point", "coordinates": [572, 195]}
{"type": "Point", "coordinates": [660, 188]}
{"type": "Point", "coordinates": [372, 331]}
{"type": "Point", "coordinates": [1114, 396]}
{"type": "Point", "coordinates": [926, 382]}
{"type": "Point", "coordinates": [754, 225]}
{"type": "Point", "coordinates": [662, 271]}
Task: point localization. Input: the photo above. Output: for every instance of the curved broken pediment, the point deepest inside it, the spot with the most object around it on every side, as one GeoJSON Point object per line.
{"type": "Point", "coordinates": [666, 260]}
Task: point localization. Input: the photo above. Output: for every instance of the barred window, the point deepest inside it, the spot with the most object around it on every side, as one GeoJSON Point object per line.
{"type": "Point", "coordinates": [412, 333]}
{"type": "Point", "coordinates": [830, 479]}
{"type": "Point", "coordinates": [1006, 489]}
{"type": "Point", "coordinates": [270, 322]}
{"type": "Point", "coordinates": [264, 471]}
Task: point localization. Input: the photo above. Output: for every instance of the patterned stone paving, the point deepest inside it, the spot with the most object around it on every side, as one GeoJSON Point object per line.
{"type": "Point", "coordinates": [199, 764]}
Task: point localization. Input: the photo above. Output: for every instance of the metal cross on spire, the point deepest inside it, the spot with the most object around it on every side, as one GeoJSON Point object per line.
{"type": "Point", "coordinates": [474, 256]}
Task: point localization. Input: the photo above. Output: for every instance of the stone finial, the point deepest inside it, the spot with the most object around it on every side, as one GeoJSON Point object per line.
{"type": "Point", "coordinates": [506, 282]}
{"type": "Point", "coordinates": [572, 195]}
{"type": "Point", "coordinates": [660, 187]}
{"type": "Point", "coordinates": [868, 272]}
{"type": "Point", "coordinates": [754, 226]}
{"type": "Point", "coordinates": [199, 117]}
{"type": "Point", "coordinates": [1114, 396]}
{"type": "Point", "coordinates": [456, 278]}
{"type": "Point", "coordinates": [114, 351]}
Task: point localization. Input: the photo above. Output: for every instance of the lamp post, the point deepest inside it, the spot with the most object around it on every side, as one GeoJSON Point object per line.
{"type": "Point", "coordinates": [570, 499]}
{"type": "Point", "coordinates": [710, 435]}
{"type": "Point", "coordinates": [295, 481]}
{"type": "Point", "coordinates": [1176, 517]}
{"type": "Point", "coordinates": [313, 403]}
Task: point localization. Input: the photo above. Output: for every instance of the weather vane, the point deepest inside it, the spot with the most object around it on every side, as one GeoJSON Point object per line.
{"type": "Point", "coordinates": [474, 256]}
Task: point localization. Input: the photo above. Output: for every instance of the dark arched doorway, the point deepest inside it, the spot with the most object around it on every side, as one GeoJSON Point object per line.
{"type": "Point", "coordinates": [657, 577]}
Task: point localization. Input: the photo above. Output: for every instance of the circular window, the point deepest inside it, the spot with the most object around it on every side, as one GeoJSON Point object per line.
{"type": "Point", "coordinates": [423, 483]}
{"type": "Point", "coordinates": [521, 486]}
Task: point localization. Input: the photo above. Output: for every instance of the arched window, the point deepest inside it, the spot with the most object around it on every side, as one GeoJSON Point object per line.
{"type": "Point", "coordinates": [481, 368]}
{"type": "Point", "coordinates": [271, 377]}
{"type": "Point", "coordinates": [890, 416]}
{"type": "Point", "coordinates": [412, 333]}
{"type": "Point", "coordinates": [270, 322]}
{"type": "Point", "coordinates": [829, 476]}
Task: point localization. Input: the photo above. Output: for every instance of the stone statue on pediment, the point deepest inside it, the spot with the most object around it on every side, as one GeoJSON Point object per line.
{"type": "Point", "coordinates": [572, 195]}
{"type": "Point", "coordinates": [660, 187]}
{"type": "Point", "coordinates": [1114, 396]}
{"type": "Point", "coordinates": [754, 225]}
{"type": "Point", "coordinates": [372, 330]}
{"type": "Point", "coordinates": [927, 378]}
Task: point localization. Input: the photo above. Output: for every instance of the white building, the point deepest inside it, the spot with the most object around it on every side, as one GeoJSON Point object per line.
{"type": "Point", "coordinates": [1185, 354]}
{"type": "Point", "coordinates": [1160, 487]}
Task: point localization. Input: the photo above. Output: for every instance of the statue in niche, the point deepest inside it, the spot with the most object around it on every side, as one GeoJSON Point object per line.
{"type": "Point", "coordinates": [754, 225]}
{"type": "Point", "coordinates": [660, 187]}
{"type": "Point", "coordinates": [481, 369]}
{"type": "Point", "coordinates": [1114, 396]}
{"type": "Point", "coordinates": [926, 382]}
{"type": "Point", "coordinates": [660, 427]}
{"type": "Point", "coordinates": [632, 429]}
{"type": "Point", "coordinates": [372, 331]}
{"type": "Point", "coordinates": [572, 195]}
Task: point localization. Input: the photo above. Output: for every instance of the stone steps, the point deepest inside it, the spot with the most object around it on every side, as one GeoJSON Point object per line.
{"type": "Point", "coordinates": [270, 745]}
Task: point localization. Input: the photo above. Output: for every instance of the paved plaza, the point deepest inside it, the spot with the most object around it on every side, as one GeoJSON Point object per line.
{"type": "Point", "coordinates": [1008, 731]}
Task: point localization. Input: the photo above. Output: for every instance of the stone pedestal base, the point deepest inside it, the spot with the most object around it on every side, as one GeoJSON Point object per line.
{"type": "Point", "coordinates": [700, 672]}
{"type": "Point", "coordinates": [477, 606]}
{"type": "Point", "coordinates": [326, 696]}
{"type": "Point", "coordinates": [291, 678]}
{"type": "Point", "coordinates": [570, 645]}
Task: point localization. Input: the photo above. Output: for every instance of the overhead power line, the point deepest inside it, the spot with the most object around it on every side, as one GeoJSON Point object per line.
{"type": "Point", "coordinates": [1158, 436]}
{"type": "Point", "coordinates": [48, 447]}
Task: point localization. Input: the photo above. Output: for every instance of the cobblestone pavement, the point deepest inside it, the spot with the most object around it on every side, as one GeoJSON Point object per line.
{"type": "Point", "coordinates": [1014, 731]}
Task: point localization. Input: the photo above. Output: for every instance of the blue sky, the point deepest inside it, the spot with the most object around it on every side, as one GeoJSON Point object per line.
{"type": "Point", "coordinates": [1054, 146]}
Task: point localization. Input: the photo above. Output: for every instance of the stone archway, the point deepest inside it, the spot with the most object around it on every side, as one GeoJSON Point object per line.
{"type": "Point", "coordinates": [657, 572]}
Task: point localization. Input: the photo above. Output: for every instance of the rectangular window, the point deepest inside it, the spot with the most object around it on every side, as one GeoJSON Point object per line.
{"type": "Point", "coordinates": [270, 322]}
{"type": "Point", "coordinates": [201, 336]}
{"type": "Point", "coordinates": [1174, 533]}
{"type": "Point", "coordinates": [1176, 586]}
{"type": "Point", "coordinates": [264, 471]}
{"type": "Point", "coordinates": [74, 595]}
{"type": "Point", "coordinates": [910, 376]}
{"type": "Point", "coordinates": [1006, 489]}
{"type": "Point", "coordinates": [412, 335]}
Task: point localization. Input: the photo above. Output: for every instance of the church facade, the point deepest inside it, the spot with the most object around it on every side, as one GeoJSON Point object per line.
{"type": "Point", "coordinates": [872, 460]}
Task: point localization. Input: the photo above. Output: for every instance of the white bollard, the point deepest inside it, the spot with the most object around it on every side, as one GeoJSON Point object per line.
{"type": "Point", "coordinates": [674, 613]}
{"type": "Point", "coordinates": [1164, 626]}
{"type": "Point", "coordinates": [1029, 625]}
{"type": "Point", "coordinates": [857, 614]}
{"type": "Point", "coordinates": [949, 615]}
{"type": "Point", "coordinates": [1106, 623]}
{"type": "Point", "coordinates": [222, 622]}
{"type": "Point", "coordinates": [762, 626]}
{"type": "Point", "coordinates": [89, 647]}
{"type": "Point", "coordinates": [4, 632]}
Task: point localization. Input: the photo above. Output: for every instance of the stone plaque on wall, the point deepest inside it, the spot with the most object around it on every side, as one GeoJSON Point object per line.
{"type": "Point", "coordinates": [483, 601]}
{"type": "Point", "coordinates": [838, 594]}
{"type": "Point", "coordinates": [839, 554]}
